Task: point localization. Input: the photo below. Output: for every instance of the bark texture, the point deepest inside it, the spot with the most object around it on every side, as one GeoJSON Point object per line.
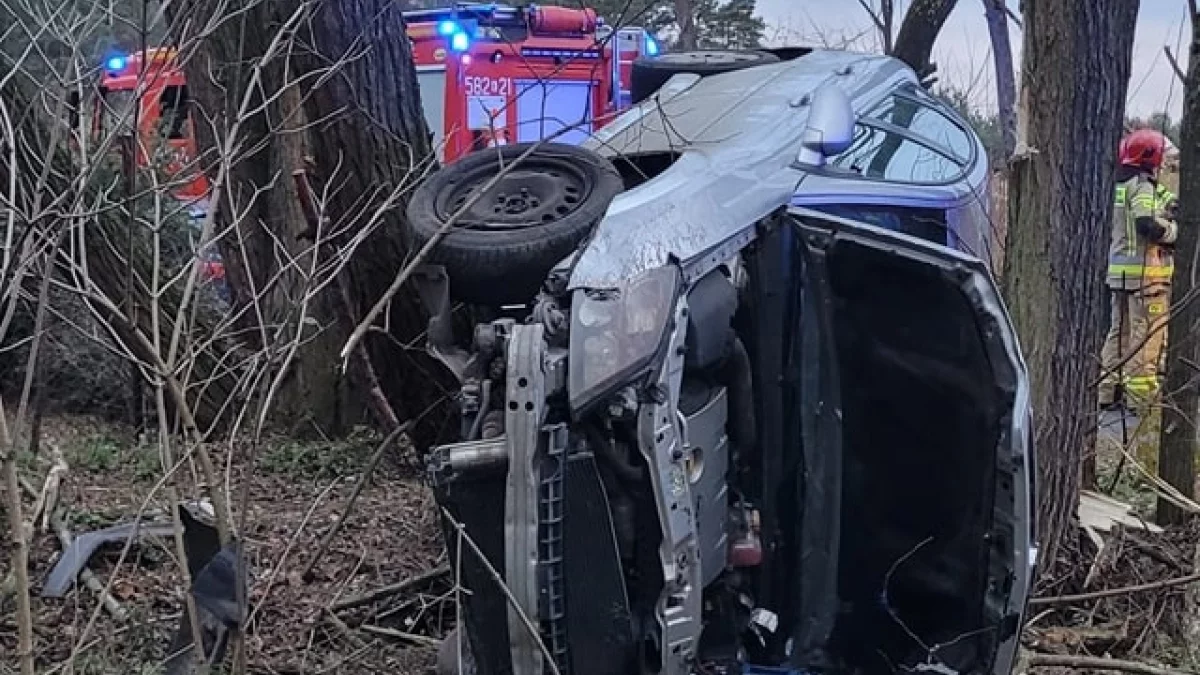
{"type": "Point", "coordinates": [365, 134]}
{"type": "Point", "coordinates": [918, 31]}
{"type": "Point", "coordinates": [371, 147]}
{"type": "Point", "coordinates": [685, 16]}
{"type": "Point", "coordinates": [260, 199]}
{"type": "Point", "coordinates": [1076, 71]}
{"type": "Point", "coordinates": [1177, 445]}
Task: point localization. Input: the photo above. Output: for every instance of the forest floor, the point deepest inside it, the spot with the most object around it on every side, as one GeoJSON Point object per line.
{"type": "Point", "coordinates": [298, 490]}
{"type": "Point", "coordinates": [296, 493]}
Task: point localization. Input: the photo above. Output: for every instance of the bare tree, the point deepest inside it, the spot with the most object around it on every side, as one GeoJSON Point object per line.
{"type": "Point", "coordinates": [913, 42]}
{"type": "Point", "coordinates": [353, 78]}
{"type": "Point", "coordinates": [685, 15]}
{"type": "Point", "coordinates": [1177, 446]}
{"type": "Point", "coordinates": [1006, 85]}
{"type": "Point", "coordinates": [883, 17]}
{"type": "Point", "coordinates": [1076, 67]}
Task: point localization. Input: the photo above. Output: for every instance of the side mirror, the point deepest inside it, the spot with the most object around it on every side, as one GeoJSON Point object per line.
{"type": "Point", "coordinates": [830, 127]}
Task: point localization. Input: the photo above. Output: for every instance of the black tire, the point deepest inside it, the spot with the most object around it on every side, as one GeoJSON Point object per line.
{"type": "Point", "coordinates": [651, 73]}
{"type": "Point", "coordinates": [507, 240]}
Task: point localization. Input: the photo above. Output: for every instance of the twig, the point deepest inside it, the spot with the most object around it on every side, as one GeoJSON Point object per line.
{"type": "Point", "coordinates": [45, 502]}
{"type": "Point", "coordinates": [464, 538]}
{"type": "Point", "coordinates": [343, 628]}
{"type": "Point", "coordinates": [1099, 663]}
{"type": "Point", "coordinates": [1175, 64]}
{"type": "Point", "coordinates": [1111, 592]}
{"type": "Point", "coordinates": [393, 589]}
{"type": "Point", "coordinates": [19, 548]}
{"type": "Point", "coordinates": [422, 640]}
{"type": "Point", "coordinates": [306, 575]}
{"type": "Point", "coordinates": [1012, 15]}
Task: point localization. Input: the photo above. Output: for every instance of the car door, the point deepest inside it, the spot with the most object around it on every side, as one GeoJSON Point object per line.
{"type": "Point", "coordinates": [932, 447]}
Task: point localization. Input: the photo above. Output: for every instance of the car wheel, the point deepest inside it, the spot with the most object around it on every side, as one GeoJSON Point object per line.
{"type": "Point", "coordinates": [651, 73]}
{"type": "Point", "coordinates": [518, 216]}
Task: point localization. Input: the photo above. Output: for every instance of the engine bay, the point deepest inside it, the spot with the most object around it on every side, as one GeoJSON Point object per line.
{"type": "Point", "coordinates": [807, 478]}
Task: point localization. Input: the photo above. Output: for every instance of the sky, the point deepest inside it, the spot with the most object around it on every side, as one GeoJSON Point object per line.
{"type": "Point", "coordinates": [963, 50]}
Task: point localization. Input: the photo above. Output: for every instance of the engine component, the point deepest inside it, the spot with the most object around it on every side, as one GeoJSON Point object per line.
{"type": "Point", "coordinates": [706, 463]}
{"type": "Point", "coordinates": [745, 550]}
{"type": "Point", "coordinates": [712, 302]}
{"type": "Point", "coordinates": [599, 624]}
{"type": "Point", "coordinates": [679, 607]}
{"type": "Point", "coordinates": [526, 410]}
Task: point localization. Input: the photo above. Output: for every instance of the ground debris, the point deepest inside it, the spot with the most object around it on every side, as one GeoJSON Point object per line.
{"type": "Point", "coordinates": [1120, 597]}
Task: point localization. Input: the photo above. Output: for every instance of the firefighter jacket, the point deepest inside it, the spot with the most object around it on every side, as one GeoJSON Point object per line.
{"type": "Point", "coordinates": [1135, 257]}
{"type": "Point", "coordinates": [1163, 200]}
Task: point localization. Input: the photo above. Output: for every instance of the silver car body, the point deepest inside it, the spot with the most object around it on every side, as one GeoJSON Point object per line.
{"type": "Point", "coordinates": [737, 136]}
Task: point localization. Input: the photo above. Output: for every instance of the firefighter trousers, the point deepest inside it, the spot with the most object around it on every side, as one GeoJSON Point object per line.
{"type": "Point", "coordinates": [1134, 345]}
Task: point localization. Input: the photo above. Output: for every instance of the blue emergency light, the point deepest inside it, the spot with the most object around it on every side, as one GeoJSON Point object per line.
{"type": "Point", "coordinates": [651, 46]}
{"type": "Point", "coordinates": [448, 28]}
{"type": "Point", "coordinates": [460, 42]}
{"type": "Point", "coordinates": [115, 63]}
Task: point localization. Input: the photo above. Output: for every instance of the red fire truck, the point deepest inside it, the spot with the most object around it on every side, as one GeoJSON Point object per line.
{"type": "Point", "coordinates": [164, 126]}
{"type": "Point", "coordinates": [493, 74]}
{"type": "Point", "coordinates": [488, 74]}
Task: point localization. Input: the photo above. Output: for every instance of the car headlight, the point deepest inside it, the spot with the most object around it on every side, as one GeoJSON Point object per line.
{"type": "Point", "coordinates": [615, 334]}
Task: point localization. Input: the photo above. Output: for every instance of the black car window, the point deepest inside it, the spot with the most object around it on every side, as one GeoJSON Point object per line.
{"type": "Point", "coordinates": [886, 155]}
{"type": "Point", "coordinates": [173, 108]}
{"type": "Point", "coordinates": [922, 223]}
{"type": "Point", "coordinates": [924, 120]}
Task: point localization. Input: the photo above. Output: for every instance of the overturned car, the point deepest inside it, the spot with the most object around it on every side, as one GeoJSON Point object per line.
{"type": "Point", "coordinates": [713, 418]}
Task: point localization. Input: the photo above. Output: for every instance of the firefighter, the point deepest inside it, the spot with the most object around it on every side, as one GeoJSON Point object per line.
{"type": "Point", "coordinates": [1138, 271]}
{"type": "Point", "coordinates": [1167, 207]}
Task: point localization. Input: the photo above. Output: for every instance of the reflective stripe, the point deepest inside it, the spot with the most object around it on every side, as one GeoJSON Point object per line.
{"type": "Point", "coordinates": [1133, 272]}
{"type": "Point", "coordinates": [1142, 384]}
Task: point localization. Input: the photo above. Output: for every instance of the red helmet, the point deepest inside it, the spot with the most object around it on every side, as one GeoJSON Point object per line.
{"type": "Point", "coordinates": [1142, 148]}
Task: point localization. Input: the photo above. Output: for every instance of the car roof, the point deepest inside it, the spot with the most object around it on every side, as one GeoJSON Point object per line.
{"type": "Point", "coordinates": [737, 136]}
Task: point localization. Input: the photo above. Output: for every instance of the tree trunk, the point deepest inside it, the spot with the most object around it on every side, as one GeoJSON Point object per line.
{"type": "Point", "coordinates": [685, 16]}
{"type": "Point", "coordinates": [919, 30]}
{"type": "Point", "coordinates": [270, 225]}
{"type": "Point", "coordinates": [375, 138]}
{"type": "Point", "coordinates": [1177, 445]}
{"type": "Point", "coordinates": [1006, 85]}
{"type": "Point", "coordinates": [1076, 71]}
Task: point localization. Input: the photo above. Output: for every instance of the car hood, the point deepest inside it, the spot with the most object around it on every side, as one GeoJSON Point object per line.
{"type": "Point", "coordinates": [737, 136]}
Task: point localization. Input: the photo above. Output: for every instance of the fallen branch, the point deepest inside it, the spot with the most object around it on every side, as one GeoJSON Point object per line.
{"type": "Point", "coordinates": [393, 589]}
{"type": "Point", "coordinates": [422, 640]}
{"type": "Point", "coordinates": [1111, 592]}
{"type": "Point", "coordinates": [45, 503]}
{"type": "Point", "coordinates": [343, 628]}
{"type": "Point", "coordinates": [1099, 663]}
{"type": "Point", "coordinates": [306, 575]}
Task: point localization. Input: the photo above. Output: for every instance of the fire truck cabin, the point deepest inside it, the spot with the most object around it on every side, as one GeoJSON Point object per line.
{"type": "Point", "coordinates": [495, 74]}
{"type": "Point", "coordinates": [164, 122]}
